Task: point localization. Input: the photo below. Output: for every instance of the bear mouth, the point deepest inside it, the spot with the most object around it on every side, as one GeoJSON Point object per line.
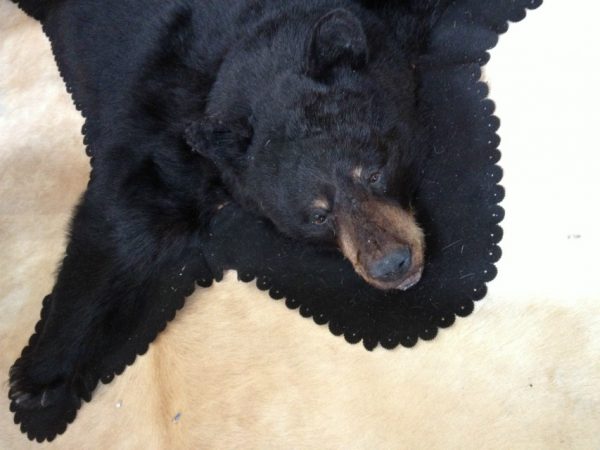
{"type": "Point", "coordinates": [410, 281]}
{"type": "Point", "coordinates": [404, 283]}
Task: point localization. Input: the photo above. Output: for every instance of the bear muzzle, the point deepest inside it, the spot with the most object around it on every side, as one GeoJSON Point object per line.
{"type": "Point", "coordinates": [383, 242]}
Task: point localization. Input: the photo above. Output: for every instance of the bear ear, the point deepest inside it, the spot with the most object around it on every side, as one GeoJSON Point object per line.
{"type": "Point", "coordinates": [336, 39]}
{"type": "Point", "coordinates": [224, 143]}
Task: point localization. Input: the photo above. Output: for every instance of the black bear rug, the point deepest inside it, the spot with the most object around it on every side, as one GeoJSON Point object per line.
{"type": "Point", "coordinates": [456, 204]}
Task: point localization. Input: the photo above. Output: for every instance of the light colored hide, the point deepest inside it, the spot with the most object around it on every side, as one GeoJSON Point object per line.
{"type": "Point", "coordinates": [242, 371]}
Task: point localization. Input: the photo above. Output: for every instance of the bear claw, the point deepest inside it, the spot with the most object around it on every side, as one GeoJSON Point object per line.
{"type": "Point", "coordinates": [43, 416]}
{"type": "Point", "coordinates": [43, 411]}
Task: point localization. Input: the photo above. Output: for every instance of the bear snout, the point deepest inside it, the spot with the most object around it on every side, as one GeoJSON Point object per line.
{"type": "Point", "coordinates": [383, 242]}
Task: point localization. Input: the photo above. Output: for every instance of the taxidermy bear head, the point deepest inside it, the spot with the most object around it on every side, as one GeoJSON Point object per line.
{"type": "Point", "coordinates": [313, 124]}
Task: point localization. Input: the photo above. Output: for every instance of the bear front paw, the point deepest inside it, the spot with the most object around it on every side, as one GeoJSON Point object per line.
{"type": "Point", "coordinates": [43, 411]}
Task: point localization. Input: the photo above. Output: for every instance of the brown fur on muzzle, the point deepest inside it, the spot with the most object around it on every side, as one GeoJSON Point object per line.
{"type": "Point", "coordinates": [370, 229]}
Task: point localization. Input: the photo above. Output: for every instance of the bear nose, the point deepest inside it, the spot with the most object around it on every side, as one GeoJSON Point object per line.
{"type": "Point", "coordinates": [392, 266]}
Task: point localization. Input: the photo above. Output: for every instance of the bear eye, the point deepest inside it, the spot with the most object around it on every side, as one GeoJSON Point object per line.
{"type": "Point", "coordinates": [374, 177]}
{"type": "Point", "coordinates": [319, 218]}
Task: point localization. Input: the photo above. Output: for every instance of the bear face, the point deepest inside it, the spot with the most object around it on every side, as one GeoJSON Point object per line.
{"type": "Point", "coordinates": [326, 151]}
